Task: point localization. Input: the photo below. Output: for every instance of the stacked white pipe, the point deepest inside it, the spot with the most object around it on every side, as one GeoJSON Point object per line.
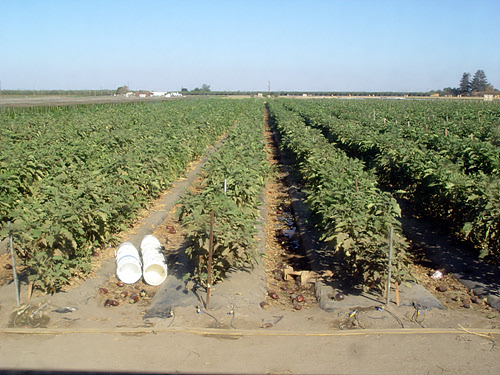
{"type": "Point", "coordinates": [128, 263]}
{"type": "Point", "coordinates": [154, 268]}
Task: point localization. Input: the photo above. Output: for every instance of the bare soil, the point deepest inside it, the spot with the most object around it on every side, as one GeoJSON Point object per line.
{"type": "Point", "coordinates": [245, 330]}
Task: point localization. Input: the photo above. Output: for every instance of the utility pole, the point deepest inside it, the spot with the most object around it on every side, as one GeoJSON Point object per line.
{"type": "Point", "coordinates": [269, 87]}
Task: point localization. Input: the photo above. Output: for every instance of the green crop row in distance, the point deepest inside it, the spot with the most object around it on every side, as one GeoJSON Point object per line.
{"type": "Point", "coordinates": [444, 155]}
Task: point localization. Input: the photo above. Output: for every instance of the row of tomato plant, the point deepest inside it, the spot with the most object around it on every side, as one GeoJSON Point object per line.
{"type": "Point", "coordinates": [352, 215]}
{"type": "Point", "coordinates": [73, 178]}
{"type": "Point", "coordinates": [451, 183]}
{"type": "Point", "coordinates": [230, 187]}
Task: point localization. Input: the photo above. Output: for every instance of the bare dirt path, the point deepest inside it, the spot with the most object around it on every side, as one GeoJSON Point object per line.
{"type": "Point", "coordinates": [244, 330]}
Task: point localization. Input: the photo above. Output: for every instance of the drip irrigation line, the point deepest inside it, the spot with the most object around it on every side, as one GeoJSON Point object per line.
{"type": "Point", "coordinates": [232, 318]}
{"type": "Point", "coordinates": [414, 317]}
{"type": "Point", "coordinates": [40, 308]}
{"type": "Point", "coordinates": [394, 316]}
{"type": "Point", "coordinates": [27, 315]}
{"type": "Point", "coordinates": [218, 332]}
{"type": "Point", "coordinates": [172, 314]}
{"type": "Point", "coordinates": [199, 311]}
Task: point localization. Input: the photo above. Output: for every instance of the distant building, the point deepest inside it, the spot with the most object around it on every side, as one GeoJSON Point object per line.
{"type": "Point", "coordinates": [151, 94]}
{"type": "Point", "coordinates": [143, 94]}
{"type": "Point", "coordinates": [172, 95]}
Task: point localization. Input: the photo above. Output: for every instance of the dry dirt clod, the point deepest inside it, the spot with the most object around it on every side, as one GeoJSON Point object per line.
{"type": "Point", "coordinates": [477, 300]}
{"type": "Point", "coordinates": [103, 290]}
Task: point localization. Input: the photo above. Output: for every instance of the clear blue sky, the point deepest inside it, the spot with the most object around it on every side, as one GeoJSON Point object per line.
{"type": "Point", "coordinates": [308, 45]}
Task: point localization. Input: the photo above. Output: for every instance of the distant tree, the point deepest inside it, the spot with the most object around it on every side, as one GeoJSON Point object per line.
{"type": "Point", "coordinates": [451, 91]}
{"type": "Point", "coordinates": [204, 88]}
{"type": "Point", "coordinates": [122, 90]}
{"type": "Point", "coordinates": [465, 85]}
{"type": "Point", "coordinates": [479, 82]}
{"type": "Point", "coordinates": [491, 90]}
{"type": "Point", "coordinates": [183, 89]}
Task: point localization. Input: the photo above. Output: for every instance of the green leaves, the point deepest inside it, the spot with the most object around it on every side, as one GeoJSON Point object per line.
{"type": "Point", "coordinates": [444, 154]}
{"type": "Point", "coordinates": [352, 215]}
{"type": "Point", "coordinates": [241, 161]}
{"type": "Point", "coordinates": [73, 178]}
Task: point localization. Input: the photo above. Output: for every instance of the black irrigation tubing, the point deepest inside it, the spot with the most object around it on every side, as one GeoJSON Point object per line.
{"type": "Point", "coordinates": [199, 310]}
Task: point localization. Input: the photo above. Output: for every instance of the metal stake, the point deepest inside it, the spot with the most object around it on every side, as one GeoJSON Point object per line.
{"type": "Point", "coordinates": [210, 252]}
{"type": "Point", "coordinates": [388, 290]}
{"type": "Point", "coordinates": [16, 281]}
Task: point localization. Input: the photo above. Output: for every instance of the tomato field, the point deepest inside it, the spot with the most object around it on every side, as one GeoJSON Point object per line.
{"type": "Point", "coordinates": [73, 178]}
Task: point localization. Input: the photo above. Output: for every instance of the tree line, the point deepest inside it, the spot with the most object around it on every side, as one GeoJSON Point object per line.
{"type": "Point", "coordinates": [478, 83]}
{"type": "Point", "coordinates": [471, 86]}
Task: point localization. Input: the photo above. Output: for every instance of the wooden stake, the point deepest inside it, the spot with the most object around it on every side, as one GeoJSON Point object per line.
{"type": "Point", "coordinates": [398, 302]}
{"type": "Point", "coordinates": [30, 291]}
{"type": "Point", "coordinates": [209, 261]}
